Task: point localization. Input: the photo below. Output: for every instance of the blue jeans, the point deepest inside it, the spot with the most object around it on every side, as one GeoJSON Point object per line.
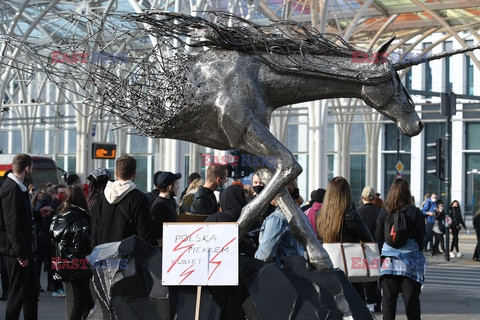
{"type": "Point", "coordinates": [428, 238]}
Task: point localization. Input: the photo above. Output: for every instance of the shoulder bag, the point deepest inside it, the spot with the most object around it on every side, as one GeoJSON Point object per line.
{"type": "Point", "coordinates": [360, 261]}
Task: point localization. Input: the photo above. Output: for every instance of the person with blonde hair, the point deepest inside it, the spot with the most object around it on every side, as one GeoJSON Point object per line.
{"type": "Point", "coordinates": [187, 200]}
{"type": "Point", "coordinates": [338, 221]}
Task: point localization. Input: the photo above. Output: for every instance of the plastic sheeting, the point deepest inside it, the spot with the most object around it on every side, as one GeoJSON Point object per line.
{"type": "Point", "coordinates": [127, 282]}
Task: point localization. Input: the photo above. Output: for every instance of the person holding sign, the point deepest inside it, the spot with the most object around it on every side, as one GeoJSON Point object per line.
{"type": "Point", "coordinates": [162, 209]}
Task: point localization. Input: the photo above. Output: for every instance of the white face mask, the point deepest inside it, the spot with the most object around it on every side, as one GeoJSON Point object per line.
{"type": "Point", "coordinates": [434, 200]}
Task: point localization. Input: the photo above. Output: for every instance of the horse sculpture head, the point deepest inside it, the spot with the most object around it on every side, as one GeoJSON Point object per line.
{"type": "Point", "coordinates": [390, 98]}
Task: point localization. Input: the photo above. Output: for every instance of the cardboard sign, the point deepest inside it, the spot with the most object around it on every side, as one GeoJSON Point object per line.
{"type": "Point", "coordinates": [200, 254]}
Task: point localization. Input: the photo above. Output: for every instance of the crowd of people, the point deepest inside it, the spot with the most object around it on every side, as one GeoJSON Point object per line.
{"type": "Point", "coordinates": [69, 220]}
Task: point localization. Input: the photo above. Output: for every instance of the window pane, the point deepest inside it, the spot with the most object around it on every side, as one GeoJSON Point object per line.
{"type": "Point", "coordinates": [16, 142]}
{"type": "Point", "coordinates": [391, 171]}
{"type": "Point", "coordinates": [292, 137]}
{"type": "Point", "coordinates": [330, 158]}
{"type": "Point", "coordinates": [392, 134]}
{"type": "Point", "coordinates": [472, 193]}
{"type": "Point", "coordinates": [138, 144]}
{"type": "Point", "coordinates": [61, 142]}
{"type": "Point", "coordinates": [141, 177]}
{"type": "Point", "coordinates": [3, 141]}
{"type": "Point", "coordinates": [357, 138]}
{"type": "Point", "coordinates": [357, 176]}
{"type": "Point", "coordinates": [72, 165]}
{"type": "Point", "coordinates": [38, 142]}
{"type": "Point", "coordinates": [473, 132]}
{"type": "Point", "coordinates": [72, 141]}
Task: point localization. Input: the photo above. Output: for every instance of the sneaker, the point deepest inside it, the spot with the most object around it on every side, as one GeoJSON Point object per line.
{"type": "Point", "coordinates": [459, 254]}
{"type": "Point", "coordinates": [452, 254]}
{"type": "Point", "coordinates": [371, 307]}
{"type": "Point", "coordinates": [58, 293]}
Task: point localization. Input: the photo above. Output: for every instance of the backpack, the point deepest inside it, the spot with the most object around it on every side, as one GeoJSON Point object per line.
{"type": "Point", "coordinates": [395, 229]}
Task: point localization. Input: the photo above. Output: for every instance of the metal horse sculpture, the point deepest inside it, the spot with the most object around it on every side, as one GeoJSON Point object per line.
{"type": "Point", "coordinates": [230, 91]}
{"type": "Point", "coordinates": [223, 97]}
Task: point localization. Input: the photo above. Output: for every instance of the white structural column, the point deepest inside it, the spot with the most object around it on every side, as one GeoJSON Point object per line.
{"type": "Point", "coordinates": [416, 165]}
{"type": "Point", "coordinates": [344, 117]}
{"type": "Point", "coordinates": [84, 144]}
{"type": "Point", "coordinates": [317, 146]}
{"type": "Point", "coordinates": [372, 130]}
{"type": "Point", "coordinates": [173, 154]}
{"type": "Point", "coordinates": [458, 160]}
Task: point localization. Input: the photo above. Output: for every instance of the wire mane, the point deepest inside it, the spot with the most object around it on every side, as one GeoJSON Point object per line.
{"type": "Point", "coordinates": [284, 45]}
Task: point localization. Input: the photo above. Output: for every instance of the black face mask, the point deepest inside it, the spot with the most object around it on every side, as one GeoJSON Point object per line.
{"type": "Point", "coordinates": [258, 189]}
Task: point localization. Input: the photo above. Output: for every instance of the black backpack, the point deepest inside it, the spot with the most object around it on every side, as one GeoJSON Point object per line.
{"type": "Point", "coordinates": [395, 229]}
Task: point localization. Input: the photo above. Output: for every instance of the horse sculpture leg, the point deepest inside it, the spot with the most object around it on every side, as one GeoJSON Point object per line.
{"type": "Point", "coordinates": [260, 141]}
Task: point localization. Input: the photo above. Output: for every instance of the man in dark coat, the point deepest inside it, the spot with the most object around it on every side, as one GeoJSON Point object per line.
{"type": "Point", "coordinates": [204, 201]}
{"type": "Point", "coordinates": [16, 241]}
{"type": "Point", "coordinates": [123, 210]}
{"type": "Point", "coordinates": [369, 213]}
{"type": "Point", "coordinates": [162, 209]}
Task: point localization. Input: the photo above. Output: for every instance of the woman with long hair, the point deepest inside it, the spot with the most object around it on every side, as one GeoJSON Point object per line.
{"type": "Point", "coordinates": [70, 230]}
{"type": "Point", "coordinates": [455, 227]}
{"type": "Point", "coordinates": [97, 181]}
{"type": "Point", "coordinates": [339, 222]}
{"type": "Point", "coordinates": [403, 267]}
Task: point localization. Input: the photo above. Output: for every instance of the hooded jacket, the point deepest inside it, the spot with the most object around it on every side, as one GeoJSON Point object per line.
{"type": "Point", "coordinates": [71, 234]}
{"type": "Point", "coordinates": [122, 211]}
{"type": "Point", "coordinates": [232, 200]}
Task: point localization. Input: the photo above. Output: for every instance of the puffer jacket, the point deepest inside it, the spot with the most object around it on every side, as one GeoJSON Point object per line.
{"type": "Point", "coordinates": [71, 233]}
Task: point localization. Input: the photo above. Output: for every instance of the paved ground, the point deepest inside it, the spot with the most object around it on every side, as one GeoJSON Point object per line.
{"type": "Point", "coordinates": [451, 290]}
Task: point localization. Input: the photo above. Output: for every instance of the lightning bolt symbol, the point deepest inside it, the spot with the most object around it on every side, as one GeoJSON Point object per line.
{"type": "Point", "coordinates": [186, 273]}
{"type": "Point", "coordinates": [218, 263]}
{"type": "Point", "coordinates": [186, 247]}
{"type": "Point", "coordinates": [393, 233]}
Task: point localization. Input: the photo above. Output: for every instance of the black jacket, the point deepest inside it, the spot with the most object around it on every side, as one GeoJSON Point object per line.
{"type": "Point", "coordinates": [354, 229]}
{"type": "Point", "coordinates": [115, 222]}
{"type": "Point", "coordinates": [15, 221]}
{"type": "Point", "coordinates": [457, 219]}
{"type": "Point", "coordinates": [369, 213]}
{"type": "Point", "coordinates": [152, 196]}
{"type": "Point", "coordinates": [71, 233]}
{"type": "Point", "coordinates": [232, 200]}
{"type": "Point", "coordinates": [415, 224]}
{"type": "Point", "coordinates": [476, 223]}
{"type": "Point", "coordinates": [204, 202]}
{"type": "Point", "coordinates": [162, 211]}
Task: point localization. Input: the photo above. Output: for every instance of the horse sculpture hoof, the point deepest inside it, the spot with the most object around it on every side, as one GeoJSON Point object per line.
{"type": "Point", "coordinates": [319, 258]}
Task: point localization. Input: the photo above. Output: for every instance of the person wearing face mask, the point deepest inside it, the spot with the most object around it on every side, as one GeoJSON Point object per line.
{"type": "Point", "coordinates": [257, 188]}
{"type": "Point", "coordinates": [162, 208]}
{"type": "Point", "coordinates": [428, 211]}
{"type": "Point", "coordinates": [204, 200]}
{"type": "Point", "coordinates": [276, 239]}
{"type": "Point", "coordinates": [439, 228]}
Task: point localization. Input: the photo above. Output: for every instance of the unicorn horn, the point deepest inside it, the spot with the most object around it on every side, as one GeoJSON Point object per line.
{"type": "Point", "coordinates": [399, 66]}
